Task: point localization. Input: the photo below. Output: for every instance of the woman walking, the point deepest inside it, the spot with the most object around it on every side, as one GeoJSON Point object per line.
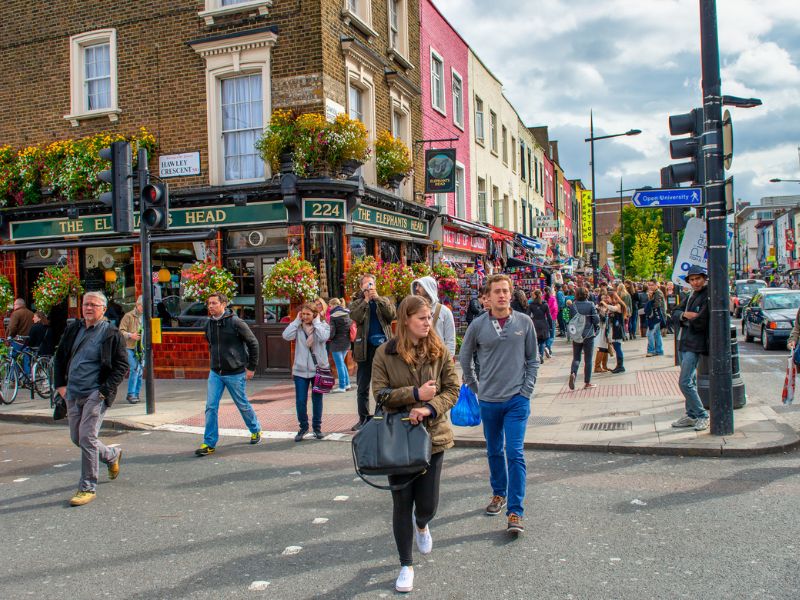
{"type": "Point", "coordinates": [542, 322]}
{"type": "Point", "coordinates": [339, 342]}
{"type": "Point", "coordinates": [633, 316]}
{"type": "Point", "coordinates": [583, 307]}
{"type": "Point", "coordinates": [617, 311]}
{"type": "Point", "coordinates": [419, 372]}
{"type": "Point", "coordinates": [310, 334]}
{"type": "Point", "coordinates": [552, 303]}
{"type": "Point", "coordinates": [602, 340]}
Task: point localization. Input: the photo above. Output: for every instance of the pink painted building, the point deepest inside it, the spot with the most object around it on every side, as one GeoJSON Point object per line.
{"type": "Point", "coordinates": [444, 70]}
{"type": "Point", "coordinates": [549, 187]}
{"type": "Point", "coordinates": [568, 221]}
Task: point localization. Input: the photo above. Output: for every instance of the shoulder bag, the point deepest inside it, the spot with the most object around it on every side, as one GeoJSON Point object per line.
{"type": "Point", "coordinates": [388, 444]}
{"type": "Point", "coordinates": [323, 378]}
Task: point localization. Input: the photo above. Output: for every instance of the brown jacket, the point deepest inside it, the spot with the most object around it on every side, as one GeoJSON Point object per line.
{"type": "Point", "coordinates": [131, 323]}
{"type": "Point", "coordinates": [391, 371]}
{"type": "Point", "coordinates": [21, 322]}
{"type": "Point", "coordinates": [359, 312]}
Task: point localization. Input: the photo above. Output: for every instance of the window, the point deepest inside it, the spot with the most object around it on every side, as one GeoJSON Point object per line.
{"type": "Point", "coordinates": [479, 133]}
{"type": "Point", "coordinates": [461, 196]}
{"type": "Point", "coordinates": [93, 76]}
{"type": "Point", "coordinates": [398, 124]}
{"type": "Point", "coordinates": [513, 154]}
{"type": "Point", "coordinates": [238, 103]}
{"type": "Point", "coordinates": [458, 101]}
{"type": "Point", "coordinates": [524, 219]}
{"type": "Point", "coordinates": [482, 217]}
{"type": "Point", "coordinates": [437, 82]}
{"type": "Point", "coordinates": [505, 145]}
{"type": "Point", "coordinates": [493, 130]}
{"type": "Point", "coordinates": [324, 251]}
{"type": "Point", "coordinates": [217, 8]}
{"type": "Point", "coordinates": [356, 107]}
{"type": "Point", "coordinates": [536, 174]}
{"type": "Point", "coordinates": [358, 14]}
{"type": "Point", "coordinates": [441, 200]}
{"type": "Point", "coordinates": [522, 161]}
{"type": "Point", "coordinates": [361, 97]}
{"type": "Point", "coordinates": [497, 207]}
{"type": "Point", "coordinates": [394, 23]}
{"type": "Point", "coordinates": [530, 174]}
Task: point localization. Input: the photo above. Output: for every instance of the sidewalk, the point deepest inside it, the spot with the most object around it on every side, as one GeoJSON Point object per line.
{"type": "Point", "coordinates": [628, 413]}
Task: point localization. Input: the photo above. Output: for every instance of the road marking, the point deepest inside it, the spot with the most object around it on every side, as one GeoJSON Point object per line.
{"type": "Point", "coordinates": [341, 498]}
{"type": "Point", "coordinates": [58, 466]}
{"type": "Point", "coordinates": [295, 473]}
{"type": "Point", "coordinates": [21, 479]}
{"type": "Point", "coordinates": [638, 502]}
{"type": "Point", "coordinates": [9, 460]}
{"type": "Point", "coordinates": [258, 586]}
{"type": "Point", "coordinates": [291, 550]}
{"type": "Point", "coordinates": [319, 521]}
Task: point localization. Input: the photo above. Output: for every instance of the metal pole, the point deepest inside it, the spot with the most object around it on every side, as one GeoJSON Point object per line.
{"type": "Point", "coordinates": [147, 292]}
{"type": "Point", "coordinates": [594, 200]}
{"type": "Point", "coordinates": [622, 229]}
{"type": "Point", "coordinates": [721, 373]}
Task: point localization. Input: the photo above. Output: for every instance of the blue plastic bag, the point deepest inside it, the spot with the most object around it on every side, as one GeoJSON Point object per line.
{"type": "Point", "coordinates": [466, 412]}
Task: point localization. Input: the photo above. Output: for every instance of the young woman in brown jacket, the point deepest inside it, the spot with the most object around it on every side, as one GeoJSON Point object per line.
{"type": "Point", "coordinates": [419, 371]}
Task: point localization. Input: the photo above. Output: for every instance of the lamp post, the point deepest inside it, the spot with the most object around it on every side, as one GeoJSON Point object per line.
{"type": "Point", "coordinates": [622, 222]}
{"type": "Point", "coordinates": [591, 139]}
{"type": "Point", "coordinates": [776, 180]}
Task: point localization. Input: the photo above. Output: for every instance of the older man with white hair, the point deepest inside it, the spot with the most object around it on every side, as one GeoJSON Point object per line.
{"type": "Point", "coordinates": [89, 365]}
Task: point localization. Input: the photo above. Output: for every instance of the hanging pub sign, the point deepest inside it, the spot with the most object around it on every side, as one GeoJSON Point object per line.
{"type": "Point", "coordinates": [440, 171]}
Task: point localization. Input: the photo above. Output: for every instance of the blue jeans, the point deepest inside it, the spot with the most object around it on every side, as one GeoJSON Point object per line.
{"type": "Point", "coordinates": [688, 384]}
{"type": "Point", "coordinates": [654, 342]}
{"type": "Point", "coordinates": [552, 335]}
{"type": "Point", "coordinates": [236, 386]}
{"type": "Point", "coordinates": [301, 386]}
{"type": "Point", "coordinates": [633, 321]}
{"type": "Point", "coordinates": [341, 369]}
{"type": "Point", "coordinates": [618, 352]}
{"type": "Point", "coordinates": [134, 375]}
{"type": "Point", "coordinates": [542, 344]}
{"type": "Point", "coordinates": [504, 425]}
{"type": "Point", "coordinates": [16, 349]}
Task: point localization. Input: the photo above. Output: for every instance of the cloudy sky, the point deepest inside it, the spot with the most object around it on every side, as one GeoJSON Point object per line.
{"type": "Point", "coordinates": [634, 62]}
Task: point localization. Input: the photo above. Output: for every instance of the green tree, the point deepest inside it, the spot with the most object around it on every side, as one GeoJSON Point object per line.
{"type": "Point", "coordinates": [636, 221]}
{"type": "Point", "coordinates": [647, 259]}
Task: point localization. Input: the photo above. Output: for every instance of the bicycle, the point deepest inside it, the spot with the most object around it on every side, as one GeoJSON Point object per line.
{"type": "Point", "coordinates": [13, 374]}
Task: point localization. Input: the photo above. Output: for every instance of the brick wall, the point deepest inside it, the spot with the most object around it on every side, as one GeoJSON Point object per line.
{"type": "Point", "coordinates": [181, 355]}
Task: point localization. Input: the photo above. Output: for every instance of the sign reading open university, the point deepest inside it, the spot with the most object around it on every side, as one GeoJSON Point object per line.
{"type": "Point", "coordinates": [440, 171]}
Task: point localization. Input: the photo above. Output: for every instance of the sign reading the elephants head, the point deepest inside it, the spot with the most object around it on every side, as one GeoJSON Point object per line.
{"type": "Point", "coordinates": [440, 171]}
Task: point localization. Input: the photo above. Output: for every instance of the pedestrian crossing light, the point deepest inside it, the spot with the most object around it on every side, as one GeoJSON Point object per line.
{"type": "Point", "coordinates": [155, 206]}
{"type": "Point", "coordinates": [120, 177]}
{"type": "Point", "coordinates": [687, 147]}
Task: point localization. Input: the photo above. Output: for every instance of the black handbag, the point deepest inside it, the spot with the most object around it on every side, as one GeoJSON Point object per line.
{"type": "Point", "coordinates": [59, 407]}
{"type": "Point", "coordinates": [388, 444]}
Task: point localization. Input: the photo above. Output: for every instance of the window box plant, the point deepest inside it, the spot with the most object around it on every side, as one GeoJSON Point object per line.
{"type": "Point", "coordinates": [393, 160]}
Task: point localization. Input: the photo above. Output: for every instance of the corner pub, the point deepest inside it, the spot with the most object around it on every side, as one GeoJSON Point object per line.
{"type": "Point", "coordinates": [328, 222]}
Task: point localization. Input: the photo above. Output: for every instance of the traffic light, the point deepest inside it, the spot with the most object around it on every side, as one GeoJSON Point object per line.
{"type": "Point", "coordinates": [154, 205]}
{"type": "Point", "coordinates": [688, 147]}
{"type": "Point", "coordinates": [120, 176]}
{"type": "Point", "coordinates": [674, 218]}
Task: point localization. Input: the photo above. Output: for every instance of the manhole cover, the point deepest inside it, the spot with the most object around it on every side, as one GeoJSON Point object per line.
{"type": "Point", "coordinates": [544, 420]}
{"type": "Point", "coordinates": [607, 426]}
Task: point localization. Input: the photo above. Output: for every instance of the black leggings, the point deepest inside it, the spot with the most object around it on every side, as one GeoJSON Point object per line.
{"type": "Point", "coordinates": [586, 348]}
{"type": "Point", "coordinates": [420, 498]}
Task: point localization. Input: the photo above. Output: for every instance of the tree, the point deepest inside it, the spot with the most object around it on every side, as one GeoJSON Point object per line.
{"type": "Point", "coordinates": [647, 259]}
{"type": "Point", "coordinates": [636, 221]}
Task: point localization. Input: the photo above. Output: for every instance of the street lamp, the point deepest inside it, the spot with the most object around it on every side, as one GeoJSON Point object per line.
{"type": "Point", "coordinates": [591, 139]}
{"type": "Point", "coordinates": [776, 180]}
{"type": "Point", "coordinates": [622, 223]}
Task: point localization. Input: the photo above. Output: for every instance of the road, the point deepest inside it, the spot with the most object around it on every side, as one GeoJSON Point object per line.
{"type": "Point", "coordinates": [598, 525]}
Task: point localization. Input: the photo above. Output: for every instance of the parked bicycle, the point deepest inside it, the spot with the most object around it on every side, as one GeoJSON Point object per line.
{"type": "Point", "coordinates": [13, 373]}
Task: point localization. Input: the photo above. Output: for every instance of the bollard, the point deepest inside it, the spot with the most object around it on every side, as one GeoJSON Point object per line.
{"type": "Point", "coordinates": [739, 394]}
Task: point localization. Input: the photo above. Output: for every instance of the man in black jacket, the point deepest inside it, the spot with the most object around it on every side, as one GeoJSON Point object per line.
{"type": "Point", "coordinates": [691, 323]}
{"type": "Point", "coordinates": [234, 357]}
{"type": "Point", "coordinates": [89, 365]}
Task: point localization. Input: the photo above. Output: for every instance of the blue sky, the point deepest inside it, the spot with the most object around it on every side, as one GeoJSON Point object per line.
{"type": "Point", "coordinates": [635, 62]}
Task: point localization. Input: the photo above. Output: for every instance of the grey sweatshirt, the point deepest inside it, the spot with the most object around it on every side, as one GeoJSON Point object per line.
{"type": "Point", "coordinates": [509, 361]}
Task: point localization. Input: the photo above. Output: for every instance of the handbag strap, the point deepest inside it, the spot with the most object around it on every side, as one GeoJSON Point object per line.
{"type": "Point", "coordinates": [313, 356]}
{"type": "Point", "coordinates": [395, 487]}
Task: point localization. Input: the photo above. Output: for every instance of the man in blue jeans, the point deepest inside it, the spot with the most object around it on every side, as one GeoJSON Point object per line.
{"type": "Point", "coordinates": [505, 342]}
{"type": "Point", "coordinates": [691, 325]}
{"type": "Point", "coordinates": [234, 356]}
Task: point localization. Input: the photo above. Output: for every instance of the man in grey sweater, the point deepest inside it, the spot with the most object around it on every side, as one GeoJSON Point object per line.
{"type": "Point", "coordinates": [508, 353]}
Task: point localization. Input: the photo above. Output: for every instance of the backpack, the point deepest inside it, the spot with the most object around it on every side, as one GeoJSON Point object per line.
{"type": "Point", "coordinates": [576, 327]}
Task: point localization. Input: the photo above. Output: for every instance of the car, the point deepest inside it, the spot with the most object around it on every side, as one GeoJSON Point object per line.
{"type": "Point", "coordinates": [742, 291]}
{"type": "Point", "coordinates": [770, 316]}
{"type": "Point", "coordinates": [195, 315]}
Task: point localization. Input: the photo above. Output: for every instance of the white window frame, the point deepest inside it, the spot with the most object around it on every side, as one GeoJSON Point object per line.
{"type": "Point", "coordinates": [504, 140]}
{"type": "Point", "coordinates": [443, 108]}
{"type": "Point", "coordinates": [215, 8]}
{"type": "Point", "coordinates": [359, 76]}
{"type": "Point", "coordinates": [493, 131]}
{"type": "Point", "coordinates": [360, 18]}
{"type": "Point", "coordinates": [229, 57]}
{"type": "Point", "coordinates": [440, 200]}
{"type": "Point", "coordinates": [513, 157]}
{"type": "Point", "coordinates": [399, 51]}
{"type": "Point", "coordinates": [480, 132]}
{"type": "Point", "coordinates": [461, 191]}
{"type": "Point", "coordinates": [458, 113]}
{"type": "Point", "coordinates": [77, 45]}
{"type": "Point", "coordinates": [482, 201]}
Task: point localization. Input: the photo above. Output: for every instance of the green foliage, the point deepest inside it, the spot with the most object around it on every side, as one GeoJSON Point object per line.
{"type": "Point", "coordinates": [638, 221]}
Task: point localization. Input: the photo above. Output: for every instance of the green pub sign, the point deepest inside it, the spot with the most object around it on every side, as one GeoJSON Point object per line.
{"type": "Point", "coordinates": [366, 215]}
{"type": "Point", "coordinates": [333, 210]}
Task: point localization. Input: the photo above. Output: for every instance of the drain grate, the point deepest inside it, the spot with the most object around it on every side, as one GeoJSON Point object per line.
{"type": "Point", "coordinates": [608, 426]}
{"type": "Point", "coordinates": [544, 420]}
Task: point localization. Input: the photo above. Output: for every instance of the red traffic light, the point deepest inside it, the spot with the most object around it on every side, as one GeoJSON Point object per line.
{"type": "Point", "coordinates": [153, 193]}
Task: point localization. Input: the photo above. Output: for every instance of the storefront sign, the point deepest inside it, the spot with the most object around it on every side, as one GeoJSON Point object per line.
{"type": "Point", "coordinates": [586, 216]}
{"type": "Point", "coordinates": [458, 240]}
{"type": "Point", "coordinates": [179, 165]}
{"type": "Point", "coordinates": [440, 171]}
{"type": "Point", "coordinates": [542, 222]}
{"type": "Point", "coordinates": [366, 215]}
{"type": "Point", "coordinates": [331, 210]}
{"type": "Point", "coordinates": [549, 235]}
{"type": "Point", "coordinates": [179, 218]}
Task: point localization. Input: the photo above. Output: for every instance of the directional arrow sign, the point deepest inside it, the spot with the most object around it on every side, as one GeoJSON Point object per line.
{"type": "Point", "coordinates": [658, 198]}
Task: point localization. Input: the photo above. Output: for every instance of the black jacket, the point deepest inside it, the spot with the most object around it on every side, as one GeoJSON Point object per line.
{"type": "Point", "coordinates": [113, 360]}
{"type": "Point", "coordinates": [475, 309]}
{"type": "Point", "coordinates": [231, 344]}
{"type": "Point", "coordinates": [693, 334]}
{"type": "Point", "coordinates": [540, 315]}
{"type": "Point", "coordinates": [36, 339]}
{"type": "Point", "coordinates": [588, 310]}
{"type": "Point", "coordinates": [339, 338]}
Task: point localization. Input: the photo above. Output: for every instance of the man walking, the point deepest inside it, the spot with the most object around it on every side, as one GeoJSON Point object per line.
{"type": "Point", "coordinates": [655, 309]}
{"type": "Point", "coordinates": [89, 365]}
{"type": "Point", "coordinates": [234, 357]}
{"type": "Point", "coordinates": [691, 324]}
{"type": "Point", "coordinates": [442, 322]}
{"type": "Point", "coordinates": [20, 323]}
{"type": "Point", "coordinates": [373, 315]}
{"type": "Point", "coordinates": [506, 344]}
{"type": "Point", "coordinates": [131, 329]}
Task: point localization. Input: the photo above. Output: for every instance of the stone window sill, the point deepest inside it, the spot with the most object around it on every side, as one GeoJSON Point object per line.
{"type": "Point", "coordinates": [356, 21]}
{"type": "Point", "coordinates": [111, 113]}
{"type": "Point", "coordinates": [399, 58]}
{"type": "Point", "coordinates": [262, 6]}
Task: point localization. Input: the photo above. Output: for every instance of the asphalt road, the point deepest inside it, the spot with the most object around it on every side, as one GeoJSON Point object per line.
{"type": "Point", "coordinates": [598, 525]}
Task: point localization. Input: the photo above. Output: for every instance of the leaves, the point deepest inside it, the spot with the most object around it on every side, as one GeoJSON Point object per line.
{"type": "Point", "coordinates": [204, 278]}
{"type": "Point", "coordinates": [291, 278]}
{"type": "Point", "coordinates": [636, 221]}
{"type": "Point", "coordinates": [392, 157]}
{"type": "Point", "coordinates": [53, 286]}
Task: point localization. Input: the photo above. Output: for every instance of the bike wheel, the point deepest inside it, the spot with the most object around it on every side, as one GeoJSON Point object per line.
{"type": "Point", "coordinates": [41, 377]}
{"type": "Point", "coordinates": [8, 382]}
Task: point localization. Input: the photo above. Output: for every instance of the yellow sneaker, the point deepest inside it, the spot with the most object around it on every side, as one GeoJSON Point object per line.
{"type": "Point", "coordinates": [113, 468]}
{"type": "Point", "coordinates": [81, 498]}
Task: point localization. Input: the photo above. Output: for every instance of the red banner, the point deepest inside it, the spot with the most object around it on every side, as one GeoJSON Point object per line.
{"type": "Point", "coordinates": [458, 240]}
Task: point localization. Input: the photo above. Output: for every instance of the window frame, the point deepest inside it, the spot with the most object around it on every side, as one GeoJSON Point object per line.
{"type": "Point", "coordinates": [460, 195]}
{"type": "Point", "coordinates": [220, 83]}
{"type": "Point", "coordinates": [480, 132]}
{"type": "Point", "coordinates": [435, 56]}
{"type": "Point", "coordinates": [493, 131]}
{"type": "Point", "coordinates": [78, 44]}
{"type": "Point", "coordinates": [400, 51]}
{"type": "Point", "coordinates": [361, 18]}
{"type": "Point", "coordinates": [215, 8]}
{"type": "Point", "coordinates": [482, 201]}
{"type": "Point", "coordinates": [458, 113]}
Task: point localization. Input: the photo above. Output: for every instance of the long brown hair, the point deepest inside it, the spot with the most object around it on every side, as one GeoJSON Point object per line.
{"type": "Point", "coordinates": [427, 349]}
{"type": "Point", "coordinates": [618, 301]}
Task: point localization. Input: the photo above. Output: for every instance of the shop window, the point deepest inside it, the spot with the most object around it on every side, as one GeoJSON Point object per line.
{"type": "Point", "coordinates": [110, 270]}
{"type": "Point", "coordinates": [273, 239]}
{"type": "Point", "coordinates": [324, 251]}
{"type": "Point", "coordinates": [361, 247]}
{"type": "Point", "coordinates": [415, 253]}
{"type": "Point", "coordinates": [169, 260]}
{"type": "Point", "coordinates": [390, 251]}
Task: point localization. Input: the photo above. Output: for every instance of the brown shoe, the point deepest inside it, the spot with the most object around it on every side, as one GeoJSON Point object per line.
{"type": "Point", "coordinates": [572, 381]}
{"type": "Point", "coordinates": [589, 386]}
{"type": "Point", "coordinates": [81, 498]}
{"type": "Point", "coordinates": [113, 468]}
{"type": "Point", "coordinates": [496, 505]}
{"type": "Point", "coordinates": [515, 525]}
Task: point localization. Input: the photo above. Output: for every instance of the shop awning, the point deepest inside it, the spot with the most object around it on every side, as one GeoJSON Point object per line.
{"type": "Point", "coordinates": [501, 235]}
{"type": "Point", "coordinates": [515, 262]}
{"type": "Point", "coordinates": [468, 226]}
{"type": "Point", "coordinates": [389, 235]}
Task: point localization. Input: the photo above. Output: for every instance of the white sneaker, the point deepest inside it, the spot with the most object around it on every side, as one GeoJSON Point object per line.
{"type": "Point", "coordinates": [701, 424]}
{"type": "Point", "coordinates": [424, 539]}
{"type": "Point", "coordinates": [347, 389]}
{"type": "Point", "coordinates": [685, 421]}
{"type": "Point", "coordinates": [337, 391]}
{"type": "Point", "coordinates": [405, 581]}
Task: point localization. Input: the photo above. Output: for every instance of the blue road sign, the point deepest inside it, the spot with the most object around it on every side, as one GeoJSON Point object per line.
{"type": "Point", "coordinates": [692, 196]}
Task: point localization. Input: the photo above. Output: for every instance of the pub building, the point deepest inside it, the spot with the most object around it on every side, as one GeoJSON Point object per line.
{"type": "Point", "coordinates": [247, 230]}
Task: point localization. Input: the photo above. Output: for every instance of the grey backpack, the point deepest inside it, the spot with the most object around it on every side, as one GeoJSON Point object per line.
{"type": "Point", "coordinates": [576, 328]}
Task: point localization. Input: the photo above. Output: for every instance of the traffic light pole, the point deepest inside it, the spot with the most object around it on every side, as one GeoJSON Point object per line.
{"type": "Point", "coordinates": [147, 293]}
{"type": "Point", "coordinates": [721, 375]}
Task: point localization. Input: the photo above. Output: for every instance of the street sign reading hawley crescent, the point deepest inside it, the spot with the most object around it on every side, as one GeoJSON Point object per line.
{"type": "Point", "coordinates": [659, 198]}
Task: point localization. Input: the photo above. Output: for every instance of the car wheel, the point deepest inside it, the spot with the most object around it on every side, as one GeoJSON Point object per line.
{"type": "Point", "coordinates": [747, 336]}
{"type": "Point", "coordinates": [765, 343]}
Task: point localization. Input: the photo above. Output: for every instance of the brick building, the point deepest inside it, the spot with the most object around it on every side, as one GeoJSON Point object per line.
{"type": "Point", "coordinates": [203, 77]}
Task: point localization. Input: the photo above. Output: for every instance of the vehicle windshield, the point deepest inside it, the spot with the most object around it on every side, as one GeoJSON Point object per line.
{"type": "Point", "coordinates": [779, 301]}
{"type": "Point", "coordinates": [748, 289]}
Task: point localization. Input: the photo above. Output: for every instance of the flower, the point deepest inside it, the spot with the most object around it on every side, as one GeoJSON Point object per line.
{"type": "Point", "coordinates": [6, 294]}
{"type": "Point", "coordinates": [204, 278]}
{"type": "Point", "coordinates": [392, 158]}
{"type": "Point", "coordinates": [291, 278]}
{"type": "Point", "coordinates": [53, 286]}
{"type": "Point", "coordinates": [360, 266]}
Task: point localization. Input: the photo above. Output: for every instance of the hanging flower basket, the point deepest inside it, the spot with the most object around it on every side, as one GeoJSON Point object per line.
{"type": "Point", "coordinates": [360, 266]}
{"type": "Point", "coordinates": [6, 294]}
{"type": "Point", "coordinates": [392, 160]}
{"type": "Point", "coordinates": [205, 278]}
{"type": "Point", "coordinates": [395, 280]}
{"type": "Point", "coordinates": [293, 279]}
{"type": "Point", "coordinates": [447, 278]}
{"type": "Point", "coordinates": [53, 286]}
